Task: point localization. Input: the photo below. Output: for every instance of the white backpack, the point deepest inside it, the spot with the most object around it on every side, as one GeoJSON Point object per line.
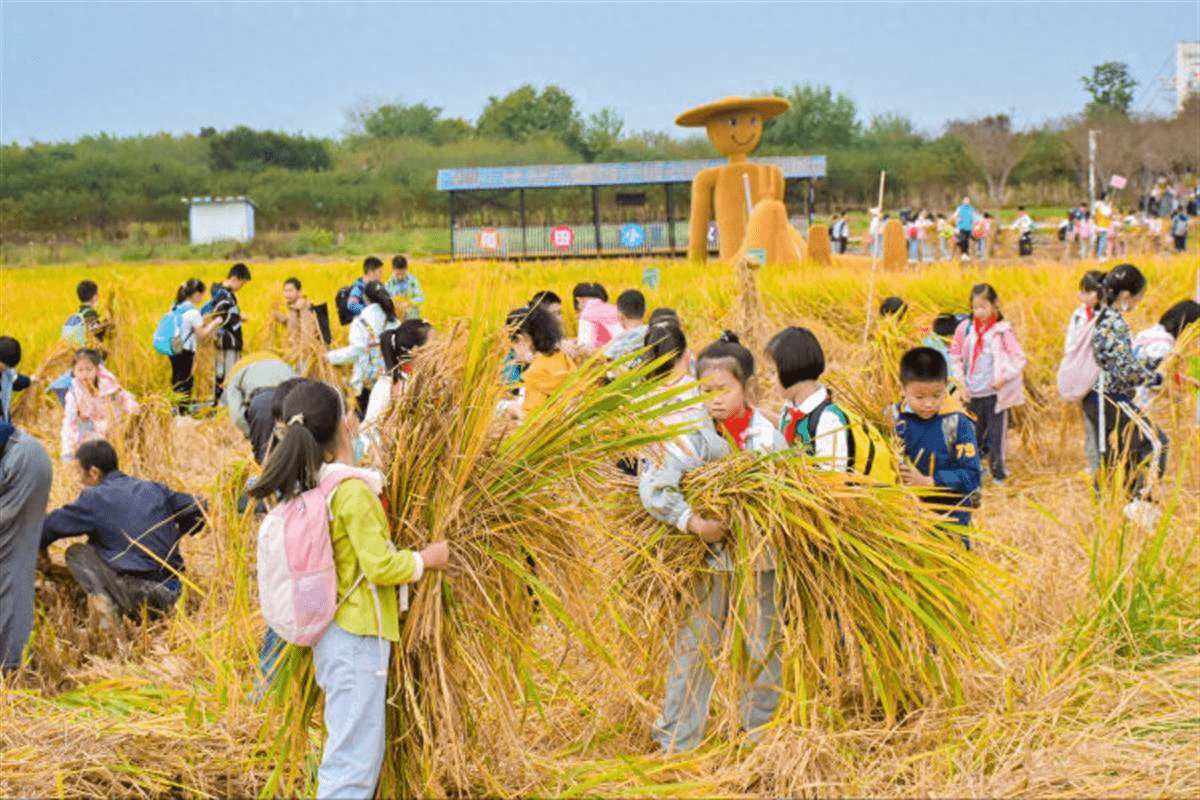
{"type": "Point", "coordinates": [1078, 370]}
{"type": "Point", "coordinates": [297, 578]}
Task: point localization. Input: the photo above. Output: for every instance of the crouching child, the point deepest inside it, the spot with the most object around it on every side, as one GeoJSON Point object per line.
{"type": "Point", "coordinates": [940, 449]}
{"type": "Point", "coordinates": [131, 558]}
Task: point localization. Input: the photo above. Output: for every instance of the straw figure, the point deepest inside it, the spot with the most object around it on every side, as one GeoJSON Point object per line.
{"type": "Point", "coordinates": [819, 251]}
{"type": "Point", "coordinates": [746, 199]}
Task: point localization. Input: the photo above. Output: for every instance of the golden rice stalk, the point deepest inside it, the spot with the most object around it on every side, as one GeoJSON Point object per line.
{"type": "Point", "coordinates": [880, 602]}
{"type": "Point", "coordinates": [37, 398]}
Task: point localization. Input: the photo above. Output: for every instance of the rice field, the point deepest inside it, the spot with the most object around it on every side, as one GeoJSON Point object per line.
{"type": "Point", "coordinates": [1079, 668]}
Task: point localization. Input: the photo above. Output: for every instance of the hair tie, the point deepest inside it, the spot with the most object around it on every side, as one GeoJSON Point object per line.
{"type": "Point", "coordinates": [298, 419]}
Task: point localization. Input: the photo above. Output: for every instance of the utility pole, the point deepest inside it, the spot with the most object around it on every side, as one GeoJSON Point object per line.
{"type": "Point", "coordinates": [1092, 168]}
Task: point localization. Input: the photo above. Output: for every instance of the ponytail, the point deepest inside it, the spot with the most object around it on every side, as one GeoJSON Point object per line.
{"type": "Point", "coordinates": [377, 294]}
{"type": "Point", "coordinates": [727, 353]}
{"type": "Point", "coordinates": [664, 340]}
{"type": "Point", "coordinates": [1122, 278]}
{"type": "Point", "coordinates": [311, 416]}
{"type": "Point", "coordinates": [187, 289]}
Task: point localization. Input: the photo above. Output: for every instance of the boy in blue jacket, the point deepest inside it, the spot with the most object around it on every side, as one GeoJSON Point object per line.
{"type": "Point", "coordinates": [133, 527]}
{"type": "Point", "coordinates": [939, 447]}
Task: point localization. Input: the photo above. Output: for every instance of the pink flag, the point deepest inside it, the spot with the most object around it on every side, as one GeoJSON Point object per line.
{"type": "Point", "coordinates": [1117, 182]}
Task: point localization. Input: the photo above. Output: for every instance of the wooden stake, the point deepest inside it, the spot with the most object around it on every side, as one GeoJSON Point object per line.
{"type": "Point", "coordinates": [871, 244]}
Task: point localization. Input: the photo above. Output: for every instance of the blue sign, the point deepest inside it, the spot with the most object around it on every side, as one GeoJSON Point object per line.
{"type": "Point", "coordinates": [633, 235]}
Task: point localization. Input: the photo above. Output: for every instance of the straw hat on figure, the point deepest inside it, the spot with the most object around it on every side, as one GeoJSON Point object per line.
{"type": "Point", "coordinates": [745, 198]}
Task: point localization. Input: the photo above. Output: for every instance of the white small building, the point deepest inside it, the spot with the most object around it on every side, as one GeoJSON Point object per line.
{"type": "Point", "coordinates": [220, 219]}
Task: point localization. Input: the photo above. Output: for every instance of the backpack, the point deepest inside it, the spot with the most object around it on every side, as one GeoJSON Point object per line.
{"type": "Point", "coordinates": [321, 312]}
{"type": "Point", "coordinates": [341, 301]}
{"type": "Point", "coordinates": [1078, 370]}
{"type": "Point", "coordinates": [74, 330]}
{"type": "Point", "coordinates": [297, 577]}
{"type": "Point", "coordinates": [1179, 226]}
{"type": "Point", "coordinates": [868, 452]}
{"type": "Point", "coordinates": [167, 339]}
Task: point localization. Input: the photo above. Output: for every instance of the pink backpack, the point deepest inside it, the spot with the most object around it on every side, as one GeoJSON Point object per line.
{"type": "Point", "coordinates": [297, 578]}
{"type": "Point", "coordinates": [1078, 370]}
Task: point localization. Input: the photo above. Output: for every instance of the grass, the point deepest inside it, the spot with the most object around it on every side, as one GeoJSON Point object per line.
{"type": "Point", "coordinates": [1089, 685]}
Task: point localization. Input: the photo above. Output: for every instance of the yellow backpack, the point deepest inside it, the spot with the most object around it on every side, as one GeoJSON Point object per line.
{"type": "Point", "coordinates": [870, 452]}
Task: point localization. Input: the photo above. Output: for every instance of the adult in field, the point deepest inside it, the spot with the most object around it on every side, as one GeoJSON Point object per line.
{"type": "Point", "coordinates": [249, 394]}
{"type": "Point", "coordinates": [964, 221]}
{"type": "Point", "coordinates": [25, 475]}
{"type": "Point", "coordinates": [131, 558]}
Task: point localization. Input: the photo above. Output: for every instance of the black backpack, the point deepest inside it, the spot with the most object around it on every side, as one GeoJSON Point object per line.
{"type": "Point", "coordinates": [342, 302]}
{"type": "Point", "coordinates": [321, 312]}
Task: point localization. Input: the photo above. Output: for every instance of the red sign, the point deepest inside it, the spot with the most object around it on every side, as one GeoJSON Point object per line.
{"type": "Point", "coordinates": [562, 237]}
{"type": "Point", "coordinates": [489, 239]}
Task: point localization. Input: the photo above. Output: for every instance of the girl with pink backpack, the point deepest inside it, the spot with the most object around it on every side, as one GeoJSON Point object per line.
{"type": "Point", "coordinates": [988, 363]}
{"type": "Point", "coordinates": [1078, 371]}
{"type": "Point", "coordinates": [314, 462]}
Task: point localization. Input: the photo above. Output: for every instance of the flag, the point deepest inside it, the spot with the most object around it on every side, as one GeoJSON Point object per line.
{"type": "Point", "coordinates": [1117, 182]}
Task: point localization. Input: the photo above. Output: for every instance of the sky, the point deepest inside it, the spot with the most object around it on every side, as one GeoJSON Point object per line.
{"type": "Point", "coordinates": [73, 69]}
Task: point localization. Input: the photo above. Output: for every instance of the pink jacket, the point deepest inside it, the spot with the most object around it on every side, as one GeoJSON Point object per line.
{"type": "Point", "coordinates": [598, 323]}
{"type": "Point", "coordinates": [1008, 360]}
{"type": "Point", "coordinates": [89, 415]}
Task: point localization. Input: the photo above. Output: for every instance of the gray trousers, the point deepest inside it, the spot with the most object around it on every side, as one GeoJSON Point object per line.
{"type": "Point", "coordinates": [680, 726]}
{"type": "Point", "coordinates": [25, 474]}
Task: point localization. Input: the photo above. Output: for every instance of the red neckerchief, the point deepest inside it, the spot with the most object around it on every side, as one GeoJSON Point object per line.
{"type": "Point", "coordinates": [1091, 312]}
{"type": "Point", "coordinates": [792, 417]}
{"type": "Point", "coordinates": [737, 426]}
{"type": "Point", "coordinates": [979, 332]}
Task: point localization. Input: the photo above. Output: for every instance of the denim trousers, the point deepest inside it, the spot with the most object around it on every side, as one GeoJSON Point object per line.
{"type": "Point", "coordinates": [352, 672]}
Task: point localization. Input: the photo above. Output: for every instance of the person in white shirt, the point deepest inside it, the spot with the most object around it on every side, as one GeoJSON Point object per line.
{"type": "Point", "coordinates": [1023, 225]}
{"type": "Point", "coordinates": [809, 418]}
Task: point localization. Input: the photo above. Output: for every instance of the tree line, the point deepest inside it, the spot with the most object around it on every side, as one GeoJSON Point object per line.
{"type": "Point", "coordinates": [381, 172]}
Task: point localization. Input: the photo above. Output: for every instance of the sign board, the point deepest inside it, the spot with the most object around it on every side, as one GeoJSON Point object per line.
{"type": "Point", "coordinates": [651, 277]}
{"type": "Point", "coordinates": [562, 237]}
{"type": "Point", "coordinates": [633, 235]}
{"type": "Point", "coordinates": [489, 239]}
{"type": "Point", "coordinates": [1117, 182]}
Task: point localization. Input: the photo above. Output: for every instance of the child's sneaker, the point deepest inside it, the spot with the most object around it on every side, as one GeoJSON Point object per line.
{"type": "Point", "coordinates": [1139, 512]}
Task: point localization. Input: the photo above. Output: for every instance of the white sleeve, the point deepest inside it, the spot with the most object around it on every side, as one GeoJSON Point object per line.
{"type": "Point", "coordinates": [587, 335]}
{"type": "Point", "coordinates": [830, 445]}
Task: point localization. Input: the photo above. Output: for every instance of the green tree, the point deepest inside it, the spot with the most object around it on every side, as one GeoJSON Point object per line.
{"type": "Point", "coordinates": [244, 149]}
{"type": "Point", "coordinates": [525, 112]}
{"type": "Point", "coordinates": [815, 118]}
{"type": "Point", "coordinates": [1110, 86]}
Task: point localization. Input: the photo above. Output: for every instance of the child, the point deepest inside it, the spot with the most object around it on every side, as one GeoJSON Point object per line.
{"type": "Point", "coordinates": [351, 658]}
{"type": "Point", "coordinates": [229, 337]}
{"type": "Point", "coordinates": [809, 418]}
{"type": "Point", "coordinates": [372, 269]}
{"type": "Point", "coordinates": [893, 307]}
{"type": "Point", "coordinates": [987, 362]}
{"type": "Point", "coordinates": [363, 350]}
{"type": "Point", "coordinates": [666, 340]}
{"type": "Point", "coordinates": [1089, 298]}
{"type": "Point", "coordinates": [133, 527]}
{"type": "Point", "coordinates": [631, 313]}
{"type": "Point", "coordinates": [939, 447]}
{"type": "Point", "coordinates": [724, 367]}
{"type": "Point", "coordinates": [399, 345]}
{"type": "Point", "coordinates": [86, 321]}
{"type": "Point", "coordinates": [94, 404]}
{"type": "Point", "coordinates": [405, 285]}
{"type": "Point", "coordinates": [598, 319]}
{"type": "Point", "coordinates": [511, 369]}
{"type": "Point", "coordinates": [10, 380]}
{"type": "Point", "coordinates": [945, 232]}
{"type": "Point", "coordinates": [1179, 230]}
{"type": "Point", "coordinates": [549, 301]}
{"type": "Point", "coordinates": [1138, 442]}
{"type": "Point", "coordinates": [537, 342]}
{"type": "Point", "coordinates": [249, 394]}
{"type": "Point", "coordinates": [192, 329]}
{"type": "Point", "coordinates": [1157, 342]}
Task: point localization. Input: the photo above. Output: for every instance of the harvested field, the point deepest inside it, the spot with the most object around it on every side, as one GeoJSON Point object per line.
{"type": "Point", "coordinates": [1084, 681]}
